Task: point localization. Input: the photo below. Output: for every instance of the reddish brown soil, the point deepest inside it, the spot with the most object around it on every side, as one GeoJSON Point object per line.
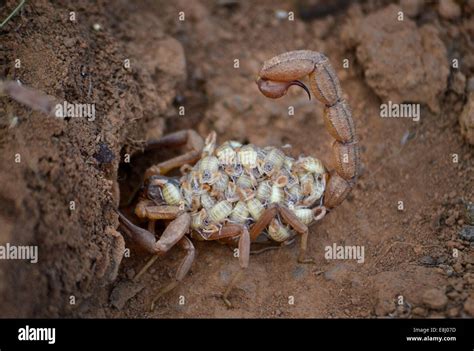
{"type": "Point", "coordinates": [407, 253]}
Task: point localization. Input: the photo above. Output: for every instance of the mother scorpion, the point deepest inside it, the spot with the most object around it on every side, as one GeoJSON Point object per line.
{"type": "Point", "coordinates": [234, 193]}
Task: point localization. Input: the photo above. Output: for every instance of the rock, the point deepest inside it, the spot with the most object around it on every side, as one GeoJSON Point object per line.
{"type": "Point", "coordinates": [169, 57]}
{"type": "Point", "coordinates": [364, 314]}
{"type": "Point", "coordinates": [337, 273]}
{"type": "Point", "coordinates": [104, 154]}
{"type": "Point", "coordinates": [384, 307]}
{"type": "Point", "coordinates": [458, 85]}
{"type": "Point", "coordinates": [459, 286]}
{"type": "Point", "coordinates": [458, 267]}
{"type": "Point", "coordinates": [450, 221]}
{"type": "Point", "coordinates": [469, 260]}
{"type": "Point", "coordinates": [130, 273]}
{"type": "Point", "coordinates": [385, 47]}
{"type": "Point", "coordinates": [434, 299]}
{"type": "Point", "coordinates": [470, 85]}
{"type": "Point", "coordinates": [155, 129]}
{"type": "Point", "coordinates": [298, 272]}
{"type": "Point", "coordinates": [109, 262]}
{"type": "Point", "coordinates": [427, 261]}
{"type": "Point", "coordinates": [469, 305]}
{"type": "Point", "coordinates": [411, 7]}
{"type": "Point", "coordinates": [453, 312]}
{"type": "Point", "coordinates": [453, 294]}
{"type": "Point", "coordinates": [224, 276]}
{"type": "Point", "coordinates": [355, 301]}
{"type": "Point", "coordinates": [123, 292]}
{"type": "Point", "coordinates": [228, 3]}
{"type": "Point", "coordinates": [449, 271]}
{"type": "Point", "coordinates": [116, 252]}
{"type": "Point", "coordinates": [420, 311]}
{"type": "Point", "coordinates": [469, 277]}
{"type": "Point", "coordinates": [97, 27]}
{"type": "Point", "coordinates": [449, 9]}
{"type": "Point", "coordinates": [467, 232]}
{"type": "Point", "coordinates": [470, 4]}
{"type": "Point", "coordinates": [70, 42]}
{"type": "Point", "coordinates": [454, 244]}
{"type": "Point", "coordinates": [466, 120]}
{"type": "Point", "coordinates": [469, 213]}
{"type": "Point", "coordinates": [281, 14]}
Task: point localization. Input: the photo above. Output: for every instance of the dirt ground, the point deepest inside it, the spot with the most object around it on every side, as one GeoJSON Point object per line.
{"type": "Point", "coordinates": [419, 260]}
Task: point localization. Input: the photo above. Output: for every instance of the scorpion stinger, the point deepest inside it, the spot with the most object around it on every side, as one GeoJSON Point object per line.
{"type": "Point", "coordinates": [325, 85]}
{"type": "Point", "coordinates": [276, 89]}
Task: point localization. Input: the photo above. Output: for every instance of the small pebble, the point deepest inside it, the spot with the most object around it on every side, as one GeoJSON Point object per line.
{"type": "Point", "coordinates": [458, 267]}
{"type": "Point", "coordinates": [281, 14]}
{"type": "Point", "coordinates": [420, 311]}
{"type": "Point", "coordinates": [449, 9]}
{"type": "Point", "coordinates": [298, 272]}
{"type": "Point", "coordinates": [228, 3]}
{"type": "Point", "coordinates": [130, 274]}
{"type": "Point", "coordinates": [69, 42]}
{"type": "Point", "coordinates": [469, 213]}
{"type": "Point", "coordinates": [469, 277]}
{"type": "Point", "coordinates": [467, 233]}
{"type": "Point", "coordinates": [450, 221]}
{"type": "Point", "coordinates": [434, 299]}
{"type": "Point", "coordinates": [453, 312]}
{"type": "Point", "coordinates": [459, 286]}
{"type": "Point", "coordinates": [411, 7]}
{"type": "Point", "coordinates": [123, 292]}
{"type": "Point", "coordinates": [459, 83]}
{"type": "Point", "coordinates": [427, 261]}
{"type": "Point", "coordinates": [469, 306]}
{"type": "Point", "coordinates": [453, 295]}
{"type": "Point", "coordinates": [470, 85]}
{"type": "Point", "coordinates": [104, 155]}
{"type": "Point", "coordinates": [13, 122]}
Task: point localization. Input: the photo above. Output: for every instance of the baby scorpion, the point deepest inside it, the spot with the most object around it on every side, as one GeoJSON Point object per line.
{"type": "Point", "coordinates": [235, 193]}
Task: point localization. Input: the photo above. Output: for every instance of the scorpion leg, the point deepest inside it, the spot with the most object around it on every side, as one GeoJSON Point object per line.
{"type": "Point", "coordinates": [148, 209]}
{"type": "Point", "coordinates": [188, 138]}
{"type": "Point", "coordinates": [293, 221]}
{"type": "Point", "coordinates": [234, 230]}
{"type": "Point", "coordinates": [183, 268]}
{"type": "Point", "coordinates": [173, 234]}
{"type": "Point", "coordinates": [268, 247]}
{"type": "Point", "coordinates": [263, 222]}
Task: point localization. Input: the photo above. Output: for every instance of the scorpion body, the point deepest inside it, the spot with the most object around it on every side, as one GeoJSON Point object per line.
{"type": "Point", "coordinates": [235, 193]}
{"type": "Point", "coordinates": [238, 185]}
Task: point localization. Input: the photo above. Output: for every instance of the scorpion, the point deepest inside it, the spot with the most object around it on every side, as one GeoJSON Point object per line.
{"type": "Point", "coordinates": [235, 193]}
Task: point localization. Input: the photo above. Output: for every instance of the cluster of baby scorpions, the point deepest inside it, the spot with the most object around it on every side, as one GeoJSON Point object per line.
{"type": "Point", "coordinates": [238, 193]}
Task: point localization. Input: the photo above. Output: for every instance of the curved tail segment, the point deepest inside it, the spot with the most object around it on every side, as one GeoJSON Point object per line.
{"type": "Point", "coordinates": [285, 70]}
